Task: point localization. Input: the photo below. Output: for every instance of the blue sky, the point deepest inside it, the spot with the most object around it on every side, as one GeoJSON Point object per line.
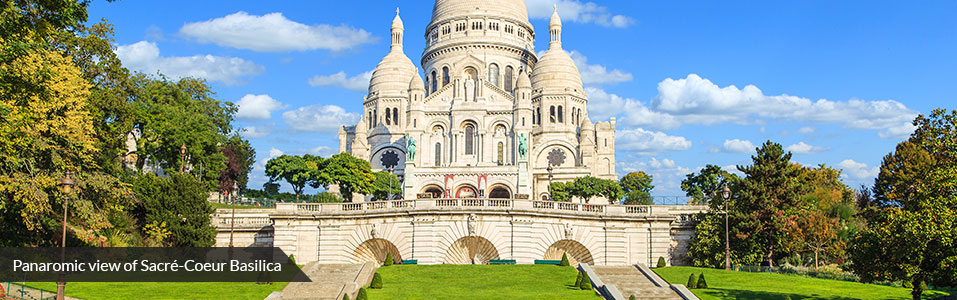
{"type": "Point", "coordinates": [690, 82]}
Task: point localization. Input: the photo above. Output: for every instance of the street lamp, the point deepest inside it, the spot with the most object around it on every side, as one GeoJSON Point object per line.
{"type": "Point", "coordinates": [550, 169]}
{"type": "Point", "coordinates": [67, 185]}
{"type": "Point", "coordinates": [726, 194]}
{"type": "Point", "coordinates": [182, 153]}
{"type": "Point", "coordinates": [232, 225]}
{"type": "Point", "coordinates": [390, 183]}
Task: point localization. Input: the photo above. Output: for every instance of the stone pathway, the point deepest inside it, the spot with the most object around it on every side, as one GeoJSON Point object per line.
{"type": "Point", "coordinates": [631, 281]}
{"type": "Point", "coordinates": [329, 282]}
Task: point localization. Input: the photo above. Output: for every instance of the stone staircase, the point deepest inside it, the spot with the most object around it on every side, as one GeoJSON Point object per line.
{"type": "Point", "coordinates": [329, 281]}
{"type": "Point", "coordinates": [631, 281]}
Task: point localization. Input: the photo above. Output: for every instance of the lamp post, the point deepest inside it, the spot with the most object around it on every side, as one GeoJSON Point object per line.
{"type": "Point", "coordinates": [67, 185]}
{"type": "Point", "coordinates": [182, 153]}
{"type": "Point", "coordinates": [232, 225]}
{"type": "Point", "coordinates": [726, 194]}
{"type": "Point", "coordinates": [550, 169]}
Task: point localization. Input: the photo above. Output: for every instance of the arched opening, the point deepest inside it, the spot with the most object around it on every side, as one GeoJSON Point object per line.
{"type": "Point", "coordinates": [551, 114]}
{"type": "Point", "coordinates": [445, 76]}
{"type": "Point", "coordinates": [499, 192]}
{"type": "Point", "coordinates": [388, 117]}
{"type": "Point", "coordinates": [433, 190]}
{"type": "Point", "coordinates": [395, 116]}
{"type": "Point", "coordinates": [508, 79]}
{"type": "Point", "coordinates": [471, 250]}
{"type": "Point", "coordinates": [560, 115]}
{"type": "Point", "coordinates": [501, 153]}
{"type": "Point", "coordinates": [493, 75]}
{"type": "Point", "coordinates": [375, 250]}
{"type": "Point", "coordinates": [466, 191]}
{"type": "Point", "coordinates": [469, 139]}
{"type": "Point", "coordinates": [434, 83]}
{"type": "Point", "coordinates": [577, 253]}
{"type": "Point", "coordinates": [438, 154]}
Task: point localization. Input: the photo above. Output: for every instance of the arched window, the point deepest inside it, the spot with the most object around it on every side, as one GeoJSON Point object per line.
{"type": "Point", "coordinates": [388, 116]}
{"type": "Point", "coordinates": [375, 118]}
{"type": "Point", "coordinates": [427, 83]}
{"type": "Point", "coordinates": [445, 76]}
{"type": "Point", "coordinates": [537, 119]}
{"type": "Point", "coordinates": [395, 116]}
{"type": "Point", "coordinates": [501, 153]}
{"type": "Point", "coordinates": [433, 82]}
{"type": "Point", "coordinates": [508, 79]}
{"type": "Point", "coordinates": [438, 154]}
{"type": "Point", "coordinates": [573, 115]}
{"type": "Point", "coordinates": [369, 119]}
{"type": "Point", "coordinates": [560, 114]}
{"type": "Point", "coordinates": [551, 114]}
{"type": "Point", "coordinates": [493, 75]}
{"type": "Point", "coordinates": [469, 139]}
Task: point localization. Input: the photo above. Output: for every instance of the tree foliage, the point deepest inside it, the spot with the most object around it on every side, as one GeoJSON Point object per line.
{"type": "Point", "coordinates": [911, 232]}
{"type": "Point", "coordinates": [385, 184]}
{"type": "Point", "coordinates": [637, 188]}
{"type": "Point", "coordinates": [707, 184]}
{"type": "Point", "coordinates": [179, 202]}
{"type": "Point", "coordinates": [589, 187]}
{"type": "Point", "coordinates": [351, 174]}
{"type": "Point", "coordinates": [298, 171]}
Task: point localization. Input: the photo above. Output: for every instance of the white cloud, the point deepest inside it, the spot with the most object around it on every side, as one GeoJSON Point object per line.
{"type": "Point", "coordinates": [597, 74]}
{"type": "Point", "coordinates": [145, 57]}
{"type": "Point", "coordinates": [806, 130]}
{"type": "Point", "coordinates": [858, 170]}
{"type": "Point", "coordinates": [324, 151]}
{"type": "Point", "coordinates": [738, 146]}
{"type": "Point", "coordinates": [358, 83]}
{"type": "Point", "coordinates": [667, 175]}
{"type": "Point", "coordinates": [649, 142]}
{"type": "Point", "coordinates": [274, 33]}
{"type": "Point", "coordinates": [254, 132]}
{"type": "Point", "coordinates": [257, 107]}
{"type": "Point", "coordinates": [696, 100]}
{"type": "Point", "coordinates": [603, 105]}
{"type": "Point", "coordinates": [803, 148]}
{"type": "Point", "coordinates": [319, 118]}
{"type": "Point", "coordinates": [577, 11]}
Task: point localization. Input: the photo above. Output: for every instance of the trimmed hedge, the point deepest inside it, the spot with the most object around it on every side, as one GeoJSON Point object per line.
{"type": "Point", "coordinates": [362, 294]}
{"type": "Point", "coordinates": [692, 281]}
{"type": "Point", "coordinates": [388, 259]}
{"type": "Point", "coordinates": [376, 281]}
{"type": "Point", "coordinates": [564, 262]}
{"type": "Point", "coordinates": [702, 284]}
{"type": "Point", "coordinates": [585, 283]}
{"type": "Point", "coordinates": [661, 262]}
{"type": "Point", "coordinates": [345, 297]}
{"type": "Point", "coordinates": [578, 281]}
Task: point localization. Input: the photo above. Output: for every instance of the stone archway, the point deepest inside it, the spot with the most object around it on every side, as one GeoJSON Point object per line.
{"type": "Point", "coordinates": [471, 250]}
{"type": "Point", "coordinates": [375, 250]}
{"type": "Point", "coordinates": [434, 190]}
{"type": "Point", "coordinates": [466, 191]}
{"type": "Point", "coordinates": [577, 253]}
{"type": "Point", "coordinates": [499, 191]}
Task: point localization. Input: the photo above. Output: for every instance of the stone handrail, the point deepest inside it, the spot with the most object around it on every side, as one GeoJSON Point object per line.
{"type": "Point", "coordinates": [486, 204]}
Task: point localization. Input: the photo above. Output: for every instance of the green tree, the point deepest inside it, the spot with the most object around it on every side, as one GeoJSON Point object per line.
{"type": "Point", "coordinates": [240, 157]}
{"type": "Point", "coordinates": [351, 174]}
{"type": "Point", "coordinates": [179, 201]}
{"type": "Point", "coordinates": [271, 189]}
{"type": "Point", "coordinates": [559, 191]}
{"type": "Point", "coordinates": [912, 228]}
{"type": "Point", "coordinates": [766, 202]}
{"type": "Point", "coordinates": [385, 184]}
{"type": "Point", "coordinates": [376, 281]}
{"type": "Point", "coordinates": [589, 187]}
{"type": "Point", "coordinates": [707, 185]}
{"type": "Point", "coordinates": [702, 283]}
{"type": "Point", "coordinates": [564, 261]}
{"type": "Point", "coordinates": [362, 295]}
{"type": "Point", "coordinates": [692, 281]}
{"type": "Point", "coordinates": [295, 170]}
{"type": "Point", "coordinates": [388, 260]}
{"type": "Point", "coordinates": [637, 188]}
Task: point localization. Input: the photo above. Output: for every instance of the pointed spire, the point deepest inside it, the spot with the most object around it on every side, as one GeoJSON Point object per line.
{"type": "Point", "coordinates": [555, 28]}
{"type": "Point", "coordinates": [397, 30]}
{"type": "Point", "coordinates": [523, 80]}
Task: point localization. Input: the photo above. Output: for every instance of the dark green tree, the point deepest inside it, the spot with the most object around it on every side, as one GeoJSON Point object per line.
{"type": "Point", "coordinates": [637, 188]}
{"type": "Point", "coordinates": [702, 283]}
{"type": "Point", "coordinates": [564, 262]}
{"type": "Point", "coordinates": [178, 204]}
{"type": "Point", "coordinates": [240, 157]}
{"type": "Point", "coordinates": [295, 170]}
{"type": "Point", "coordinates": [382, 185]}
{"type": "Point", "coordinates": [578, 280]}
{"type": "Point", "coordinates": [661, 262]}
{"type": "Point", "coordinates": [362, 295]}
{"type": "Point", "coordinates": [706, 185]}
{"type": "Point", "coordinates": [376, 281]}
{"type": "Point", "coordinates": [351, 174]}
{"type": "Point", "coordinates": [559, 191]}
{"type": "Point", "coordinates": [692, 281]}
{"type": "Point", "coordinates": [589, 187]}
{"type": "Point", "coordinates": [388, 260]}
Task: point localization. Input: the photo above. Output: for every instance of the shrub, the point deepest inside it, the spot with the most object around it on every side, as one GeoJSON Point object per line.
{"type": "Point", "coordinates": [578, 281]}
{"type": "Point", "coordinates": [362, 295]}
{"type": "Point", "coordinates": [632, 297]}
{"type": "Point", "coordinates": [661, 262]}
{"type": "Point", "coordinates": [388, 259]}
{"type": "Point", "coordinates": [788, 297]}
{"type": "Point", "coordinates": [692, 281]}
{"type": "Point", "coordinates": [564, 262]}
{"type": "Point", "coordinates": [376, 281]}
{"type": "Point", "coordinates": [586, 283]}
{"type": "Point", "coordinates": [345, 297]}
{"type": "Point", "coordinates": [292, 259]}
{"type": "Point", "coordinates": [702, 284]}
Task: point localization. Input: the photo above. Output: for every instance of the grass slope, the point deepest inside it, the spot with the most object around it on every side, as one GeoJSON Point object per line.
{"type": "Point", "coordinates": [479, 282]}
{"type": "Point", "coordinates": [165, 290]}
{"type": "Point", "coordinates": [742, 285]}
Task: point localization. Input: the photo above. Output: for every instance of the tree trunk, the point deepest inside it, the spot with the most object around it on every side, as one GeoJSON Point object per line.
{"type": "Point", "coordinates": [770, 259]}
{"type": "Point", "coordinates": [815, 258]}
{"type": "Point", "coordinates": [917, 290]}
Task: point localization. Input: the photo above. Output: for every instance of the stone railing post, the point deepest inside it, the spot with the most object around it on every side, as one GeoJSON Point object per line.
{"type": "Point", "coordinates": [288, 208]}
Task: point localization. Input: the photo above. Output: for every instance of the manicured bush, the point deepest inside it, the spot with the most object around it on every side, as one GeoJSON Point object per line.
{"type": "Point", "coordinates": [388, 259]}
{"type": "Point", "coordinates": [661, 262]}
{"type": "Point", "coordinates": [564, 262]}
{"type": "Point", "coordinates": [362, 295]}
{"type": "Point", "coordinates": [376, 281]}
{"type": "Point", "coordinates": [578, 281]}
{"type": "Point", "coordinates": [632, 297]}
{"type": "Point", "coordinates": [586, 283]}
{"type": "Point", "coordinates": [702, 284]}
{"type": "Point", "coordinates": [692, 281]}
{"type": "Point", "coordinates": [292, 259]}
{"type": "Point", "coordinates": [345, 297]}
{"type": "Point", "coordinates": [788, 297]}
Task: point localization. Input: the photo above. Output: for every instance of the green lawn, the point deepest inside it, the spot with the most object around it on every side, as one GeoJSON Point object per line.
{"type": "Point", "coordinates": [742, 285]}
{"type": "Point", "coordinates": [479, 282]}
{"type": "Point", "coordinates": [171, 290]}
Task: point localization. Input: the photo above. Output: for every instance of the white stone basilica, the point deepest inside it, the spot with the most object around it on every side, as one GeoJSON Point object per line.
{"type": "Point", "coordinates": [491, 119]}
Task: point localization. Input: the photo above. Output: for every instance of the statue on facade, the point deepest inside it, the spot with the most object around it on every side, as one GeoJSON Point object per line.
{"type": "Point", "coordinates": [374, 231]}
{"type": "Point", "coordinates": [410, 147]}
{"type": "Point", "coordinates": [569, 233]}
{"type": "Point", "coordinates": [469, 89]}
{"type": "Point", "coordinates": [471, 224]}
{"type": "Point", "coordinates": [522, 146]}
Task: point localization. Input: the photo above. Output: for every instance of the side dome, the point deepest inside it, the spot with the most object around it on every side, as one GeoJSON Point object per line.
{"type": "Point", "coordinates": [514, 9]}
{"type": "Point", "coordinates": [556, 70]}
{"type": "Point", "coordinates": [395, 71]}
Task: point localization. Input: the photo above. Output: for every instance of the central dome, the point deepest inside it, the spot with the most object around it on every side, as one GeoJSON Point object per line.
{"type": "Point", "coordinates": [445, 9]}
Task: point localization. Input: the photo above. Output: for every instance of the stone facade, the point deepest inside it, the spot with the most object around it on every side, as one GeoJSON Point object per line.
{"type": "Point", "coordinates": [465, 231]}
{"type": "Point", "coordinates": [491, 117]}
